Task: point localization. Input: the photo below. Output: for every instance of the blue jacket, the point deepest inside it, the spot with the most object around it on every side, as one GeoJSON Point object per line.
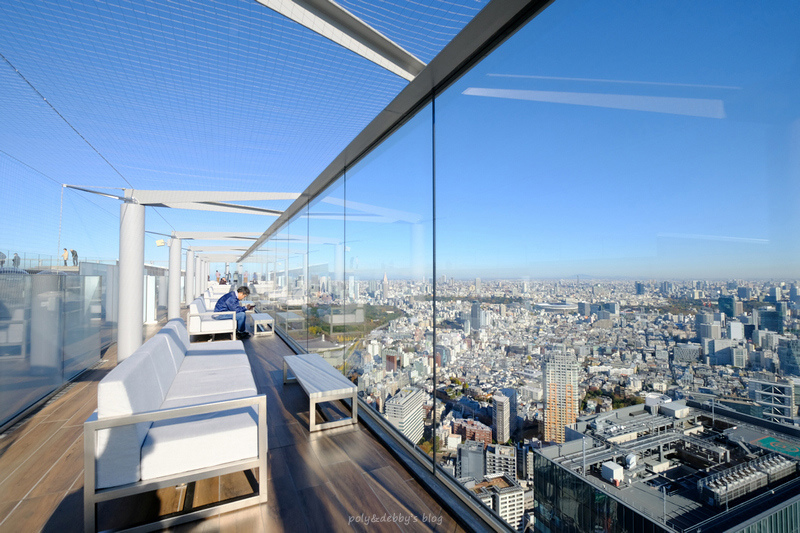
{"type": "Point", "coordinates": [229, 302]}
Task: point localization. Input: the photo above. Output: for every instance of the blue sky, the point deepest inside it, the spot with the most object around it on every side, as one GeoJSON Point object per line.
{"type": "Point", "coordinates": [635, 139]}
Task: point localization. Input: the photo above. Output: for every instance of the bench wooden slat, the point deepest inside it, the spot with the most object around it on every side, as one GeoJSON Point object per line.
{"type": "Point", "coordinates": [322, 383]}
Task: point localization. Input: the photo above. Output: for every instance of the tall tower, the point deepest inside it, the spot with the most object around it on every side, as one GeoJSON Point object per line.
{"type": "Point", "coordinates": [561, 389]}
{"type": "Point", "coordinates": [476, 316]}
{"type": "Point", "coordinates": [385, 287]}
{"type": "Point", "coordinates": [404, 411]}
{"type": "Point", "coordinates": [501, 417]}
{"type": "Point", "coordinates": [512, 402]}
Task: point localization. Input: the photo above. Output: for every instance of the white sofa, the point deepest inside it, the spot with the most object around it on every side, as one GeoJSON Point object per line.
{"type": "Point", "coordinates": [213, 293]}
{"type": "Point", "coordinates": [14, 330]}
{"type": "Point", "coordinates": [201, 321]}
{"type": "Point", "coordinates": [171, 413]}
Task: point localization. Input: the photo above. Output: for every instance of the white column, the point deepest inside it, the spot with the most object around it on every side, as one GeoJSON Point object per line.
{"type": "Point", "coordinates": [174, 292]}
{"type": "Point", "coordinates": [198, 276]}
{"type": "Point", "coordinates": [130, 328]}
{"type": "Point", "coordinates": [189, 282]}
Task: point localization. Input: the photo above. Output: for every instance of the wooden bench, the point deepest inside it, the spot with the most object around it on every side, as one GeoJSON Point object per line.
{"type": "Point", "coordinates": [322, 383]}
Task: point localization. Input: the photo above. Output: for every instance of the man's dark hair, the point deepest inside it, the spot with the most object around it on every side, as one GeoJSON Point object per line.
{"type": "Point", "coordinates": [244, 290]}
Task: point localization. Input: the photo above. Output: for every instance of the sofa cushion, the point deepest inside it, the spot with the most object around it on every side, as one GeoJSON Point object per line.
{"type": "Point", "coordinates": [131, 387]}
{"type": "Point", "coordinates": [177, 338]}
{"type": "Point", "coordinates": [211, 382]}
{"type": "Point", "coordinates": [160, 354]}
{"type": "Point", "coordinates": [191, 443]}
{"type": "Point", "coordinates": [202, 400]}
{"type": "Point", "coordinates": [215, 356]}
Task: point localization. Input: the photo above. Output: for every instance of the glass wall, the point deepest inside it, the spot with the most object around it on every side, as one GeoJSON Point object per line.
{"type": "Point", "coordinates": [325, 231]}
{"type": "Point", "coordinates": [387, 316]}
{"type": "Point", "coordinates": [592, 192]}
{"type": "Point", "coordinates": [50, 330]}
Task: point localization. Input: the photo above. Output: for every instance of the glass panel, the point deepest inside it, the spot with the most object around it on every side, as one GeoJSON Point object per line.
{"type": "Point", "coordinates": [326, 273]}
{"type": "Point", "coordinates": [297, 257]}
{"type": "Point", "coordinates": [573, 161]}
{"type": "Point", "coordinates": [81, 316]}
{"type": "Point", "coordinates": [51, 329]}
{"type": "Point", "coordinates": [387, 317]}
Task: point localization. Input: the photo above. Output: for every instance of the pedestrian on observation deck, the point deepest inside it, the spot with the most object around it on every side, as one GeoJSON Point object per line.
{"type": "Point", "coordinates": [64, 256]}
{"type": "Point", "coordinates": [2, 259]}
{"type": "Point", "coordinates": [15, 260]}
{"type": "Point", "coordinates": [74, 258]}
{"type": "Point", "coordinates": [217, 276]}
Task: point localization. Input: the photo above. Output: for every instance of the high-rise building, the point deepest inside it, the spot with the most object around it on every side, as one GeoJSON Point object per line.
{"type": "Point", "coordinates": [771, 320]}
{"type": "Point", "coordinates": [501, 413]}
{"type": "Point", "coordinates": [404, 411]}
{"type": "Point", "coordinates": [477, 316]}
{"type": "Point", "coordinates": [735, 330]}
{"type": "Point", "coordinates": [560, 378]}
{"type": "Point", "coordinates": [512, 401]}
{"type": "Point", "coordinates": [501, 493]}
{"type": "Point", "coordinates": [577, 485]}
{"type": "Point", "coordinates": [745, 293]}
{"type": "Point", "coordinates": [710, 331]}
{"type": "Point", "coordinates": [501, 459]}
{"type": "Point", "coordinates": [776, 397]}
{"type": "Point", "coordinates": [477, 285]}
{"type": "Point", "coordinates": [640, 288]}
{"type": "Point", "coordinates": [730, 306]}
{"type": "Point", "coordinates": [789, 356]}
{"type": "Point", "coordinates": [385, 287]}
{"type": "Point", "coordinates": [470, 460]}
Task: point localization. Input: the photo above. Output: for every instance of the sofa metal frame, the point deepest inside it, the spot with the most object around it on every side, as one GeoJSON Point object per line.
{"type": "Point", "coordinates": [92, 496]}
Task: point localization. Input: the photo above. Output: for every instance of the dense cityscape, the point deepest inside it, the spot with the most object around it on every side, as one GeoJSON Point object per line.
{"type": "Point", "coordinates": [526, 365]}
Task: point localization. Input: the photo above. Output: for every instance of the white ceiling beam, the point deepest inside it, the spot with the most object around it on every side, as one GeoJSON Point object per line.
{"type": "Point", "coordinates": [334, 22]}
{"type": "Point", "coordinates": [217, 235]}
{"type": "Point", "coordinates": [154, 197]}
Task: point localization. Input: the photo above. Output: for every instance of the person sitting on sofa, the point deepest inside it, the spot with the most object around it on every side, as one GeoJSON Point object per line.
{"type": "Point", "coordinates": [230, 303]}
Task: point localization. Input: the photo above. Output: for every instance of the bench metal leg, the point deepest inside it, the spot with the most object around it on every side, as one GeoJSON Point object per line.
{"type": "Point", "coordinates": [287, 379]}
{"type": "Point", "coordinates": [312, 416]}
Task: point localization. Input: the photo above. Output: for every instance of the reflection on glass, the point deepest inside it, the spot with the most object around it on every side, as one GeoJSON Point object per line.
{"type": "Point", "coordinates": [51, 329]}
{"type": "Point", "coordinates": [387, 317]}
{"type": "Point", "coordinates": [603, 200]}
{"type": "Point", "coordinates": [326, 273]}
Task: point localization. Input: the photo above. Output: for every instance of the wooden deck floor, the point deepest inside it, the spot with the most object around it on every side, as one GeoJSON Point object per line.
{"type": "Point", "coordinates": [329, 481]}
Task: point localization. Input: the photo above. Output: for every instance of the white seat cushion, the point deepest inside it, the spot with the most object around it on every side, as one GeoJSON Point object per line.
{"type": "Point", "coordinates": [212, 382]}
{"type": "Point", "coordinates": [215, 356]}
{"type": "Point", "coordinates": [201, 441]}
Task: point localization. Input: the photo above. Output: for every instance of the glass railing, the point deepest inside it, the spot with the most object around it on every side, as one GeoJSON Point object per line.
{"type": "Point", "coordinates": [52, 328]}
{"type": "Point", "coordinates": [567, 164]}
